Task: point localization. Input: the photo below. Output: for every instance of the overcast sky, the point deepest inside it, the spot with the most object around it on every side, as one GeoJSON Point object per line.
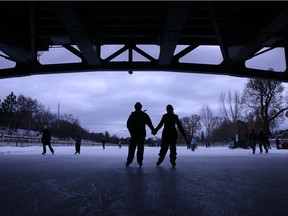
{"type": "Point", "coordinates": [102, 101]}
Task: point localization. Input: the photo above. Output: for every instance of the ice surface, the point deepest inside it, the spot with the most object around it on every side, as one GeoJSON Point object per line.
{"type": "Point", "coordinates": [214, 181]}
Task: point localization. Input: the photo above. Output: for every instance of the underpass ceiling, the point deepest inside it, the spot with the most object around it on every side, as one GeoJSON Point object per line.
{"type": "Point", "coordinates": [240, 29]}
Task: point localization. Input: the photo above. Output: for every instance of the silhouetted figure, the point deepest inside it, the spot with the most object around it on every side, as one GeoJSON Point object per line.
{"type": "Point", "coordinates": [120, 143]}
{"type": "Point", "coordinates": [78, 141]}
{"type": "Point", "coordinates": [252, 140]}
{"type": "Point", "coordinates": [231, 143]}
{"type": "Point", "coordinates": [263, 141]}
{"type": "Point", "coordinates": [269, 144]}
{"type": "Point", "coordinates": [194, 144]}
{"type": "Point", "coordinates": [158, 144]}
{"type": "Point", "coordinates": [277, 143]}
{"type": "Point", "coordinates": [188, 143]}
{"type": "Point", "coordinates": [103, 143]}
{"type": "Point", "coordinates": [169, 135]}
{"type": "Point", "coordinates": [136, 124]}
{"type": "Point", "coordinates": [46, 140]}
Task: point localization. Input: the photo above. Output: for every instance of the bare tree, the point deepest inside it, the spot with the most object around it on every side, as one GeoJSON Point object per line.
{"type": "Point", "coordinates": [45, 117]}
{"type": "Point", "coordinates": [230, 106]}
{"type": "Point", "coordinates": [70, 118]}
{"type": "Point", "coordinates": [265, 99]}
{"type": "Point", "coordinates": [207, 118]}
{"type": "Point", "coordinates": [191, 125]}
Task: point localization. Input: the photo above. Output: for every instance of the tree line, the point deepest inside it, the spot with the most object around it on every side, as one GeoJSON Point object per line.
{"type": "Point", "coordinates": [261, 106]}
{"type": "Point", "coordinates": [21, 112]}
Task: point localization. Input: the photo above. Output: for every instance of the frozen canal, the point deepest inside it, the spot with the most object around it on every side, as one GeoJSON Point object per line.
{"type": "Point", "coordinates": [209, 182]}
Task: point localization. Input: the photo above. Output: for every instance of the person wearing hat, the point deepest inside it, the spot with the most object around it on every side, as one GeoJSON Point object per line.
{"type": "Point", "coordinates": [136, 125]}
{"type": "Point", "coordinates": [46, 140]}
{"type": "Point", "coordinates": [169, 135]}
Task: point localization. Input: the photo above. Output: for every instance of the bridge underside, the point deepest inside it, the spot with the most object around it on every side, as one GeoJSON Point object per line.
{"type": "Point", "coordinates": [239, 29]}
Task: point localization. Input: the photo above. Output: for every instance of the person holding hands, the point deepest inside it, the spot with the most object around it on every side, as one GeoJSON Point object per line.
{"type": "Point", "coordinates": [169, 135]}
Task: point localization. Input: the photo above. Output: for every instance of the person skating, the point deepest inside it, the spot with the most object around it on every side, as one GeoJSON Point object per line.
{"type": "Point", "coordinates": [136, 125]}
{"type": "Point", "coordinates": [169, 135]}
{"type": "Point", "coordinates": [46, 140]}
{"type": "Point", "coordinates": [263, 140]}
{"type": "Point", "coordinates": [103, 143]}
{"type": "Point", "coordinates": [253, 140]}
{"type": "Point", "coordinates": [78, 141]}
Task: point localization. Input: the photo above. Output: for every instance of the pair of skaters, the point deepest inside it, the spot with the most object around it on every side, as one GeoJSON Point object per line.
{"type": "Point", "coordinates": [261, 138]}
{"type": "Point", "coordinates": [46, 141]}
{"type": "Point", "coordinates": [136, 124]}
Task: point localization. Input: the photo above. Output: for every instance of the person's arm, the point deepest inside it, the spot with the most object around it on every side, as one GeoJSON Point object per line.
{"type": "Point", "coordinates": [180, 127]}
{"type": "Point", "coordinates": [160, 124]}
{"type": "Point", "coordinates": [129, 123]}
{"type": "Point", "coordinates": [149, 122]}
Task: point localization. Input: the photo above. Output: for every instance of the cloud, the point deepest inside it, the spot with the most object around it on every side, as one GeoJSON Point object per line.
{"type": "Point", "coordinates": [102, 101]}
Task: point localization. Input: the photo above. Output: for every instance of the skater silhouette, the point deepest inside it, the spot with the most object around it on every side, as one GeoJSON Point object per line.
{"type": "Point", "coordinates": [78, 140]}
{"type": "Point", "coordinates": [103, 143]}
{"type": "Point", "coordinates": [136, 124]}
{"type": "Point", "coordinates": [46, 140]}
{"type": "Point", "coordinates": [253, 140]}
{"type": "Point", "coordinates": [169, 135]}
